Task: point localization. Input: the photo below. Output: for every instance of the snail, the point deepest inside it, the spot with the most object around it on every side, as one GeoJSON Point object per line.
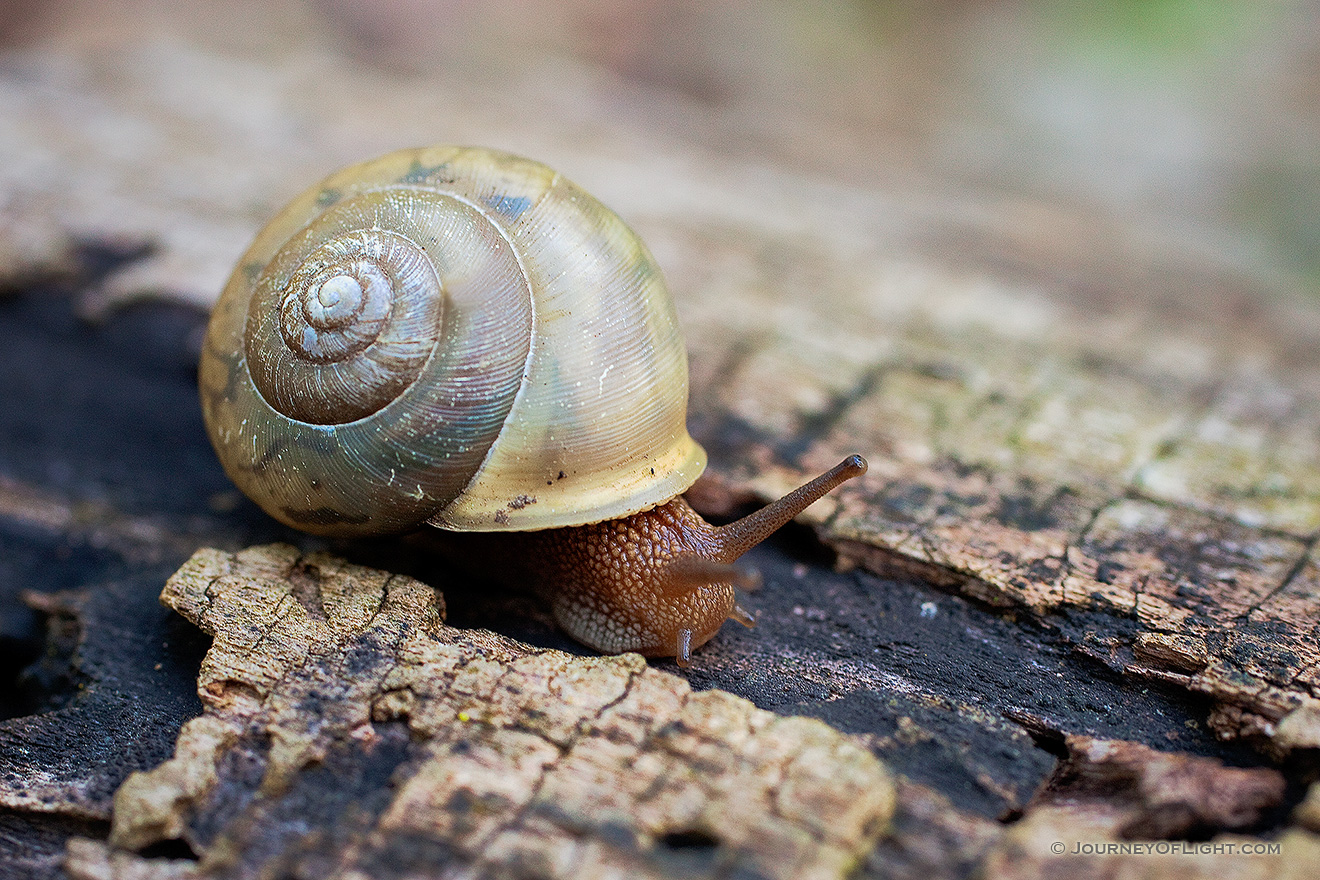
{"type": "Point", "coordinates": [461, 337]}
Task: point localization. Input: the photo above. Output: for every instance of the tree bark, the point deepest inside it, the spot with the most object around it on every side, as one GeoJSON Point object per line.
{"type": "Point", "coordinates": [1073, 603]}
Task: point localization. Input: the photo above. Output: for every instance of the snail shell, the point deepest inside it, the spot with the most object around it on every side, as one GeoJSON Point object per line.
{"type": "Point", "coordinates": [448, 335]}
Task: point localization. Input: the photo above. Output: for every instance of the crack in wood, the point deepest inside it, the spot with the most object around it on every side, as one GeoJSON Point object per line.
{"type": "Point", "coordinates": [490, 677]}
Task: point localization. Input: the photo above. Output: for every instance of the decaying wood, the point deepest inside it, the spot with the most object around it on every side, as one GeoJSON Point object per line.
{"type": "Point", "coordinates": [1138, 436]}
{"type": "Point", "coordinates": [1094, 433]}
{"type": "Point", "coordinates": [68, 761]}
{"type": "Point", "coordinates": [347, 727]}
{"type": "Point", "coordinates": [1171, 796]}
{"type": "Point", "coordinates": [1157, 462]}
{"type": "Point", "coordinates": [349, 731]}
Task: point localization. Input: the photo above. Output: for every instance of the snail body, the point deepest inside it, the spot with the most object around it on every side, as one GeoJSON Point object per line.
{"type": "Point", "coordinates": [463, 338]}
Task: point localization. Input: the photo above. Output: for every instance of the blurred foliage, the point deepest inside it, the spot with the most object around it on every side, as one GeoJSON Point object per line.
{"type": "Point", "coordinates": [1157, 31]}
{"type": "Point", "coordinates": [1152, 76]}
{"type": "Point", "coordinates": [1281, 203]}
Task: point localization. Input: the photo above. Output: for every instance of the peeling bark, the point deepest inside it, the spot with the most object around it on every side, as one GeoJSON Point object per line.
{"type": "Point", "coordinates": [1171, 796]}
{"type": "Point", "coordinates": [1094, 435]}
{"type": "Point", "coordinates": [347, 728]}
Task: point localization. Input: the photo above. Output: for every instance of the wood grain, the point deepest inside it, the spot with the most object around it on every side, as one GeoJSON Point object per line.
{"type": "Point", "coordinates": [1091, 408]}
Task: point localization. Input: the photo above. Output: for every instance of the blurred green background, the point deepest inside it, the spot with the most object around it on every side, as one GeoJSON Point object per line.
{"type": "Point", "coordinates": [1198, 119]}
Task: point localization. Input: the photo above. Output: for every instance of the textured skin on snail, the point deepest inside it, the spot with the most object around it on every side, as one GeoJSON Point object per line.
{"type": "Point", "coordinates": [453, 335]}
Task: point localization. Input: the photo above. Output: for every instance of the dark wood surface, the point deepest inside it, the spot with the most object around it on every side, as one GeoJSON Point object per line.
{"type": "Point", "coordinates": [1075, 599]}
{"type": "Point", "coordinates": [973, 706]}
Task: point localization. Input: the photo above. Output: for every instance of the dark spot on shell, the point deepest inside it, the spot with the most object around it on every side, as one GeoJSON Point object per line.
{"type": "Point", "coordinates": [419, 173]}
{"type": "Point", "coordinates": [520, 502]}
{"type": "Point", "coordinates": [327, 197]}
{"type": "Point", "coordinates": [510, 206]}
{"type": "Point", "coordinates": [501, 517]}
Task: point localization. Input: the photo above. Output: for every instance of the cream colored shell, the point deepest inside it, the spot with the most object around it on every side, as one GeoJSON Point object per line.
{"type": "Point", "coordinates": [451, 335]}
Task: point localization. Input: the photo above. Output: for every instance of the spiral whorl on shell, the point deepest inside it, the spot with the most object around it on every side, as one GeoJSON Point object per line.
{"type": "Point", "coordinates": [352, 327]}
{"type": "Point", "coordinates": [449, 335]}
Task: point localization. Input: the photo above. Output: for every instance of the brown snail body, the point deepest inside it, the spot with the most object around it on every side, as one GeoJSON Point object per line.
{"type": "Point", "coordinates": [461, 337]}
